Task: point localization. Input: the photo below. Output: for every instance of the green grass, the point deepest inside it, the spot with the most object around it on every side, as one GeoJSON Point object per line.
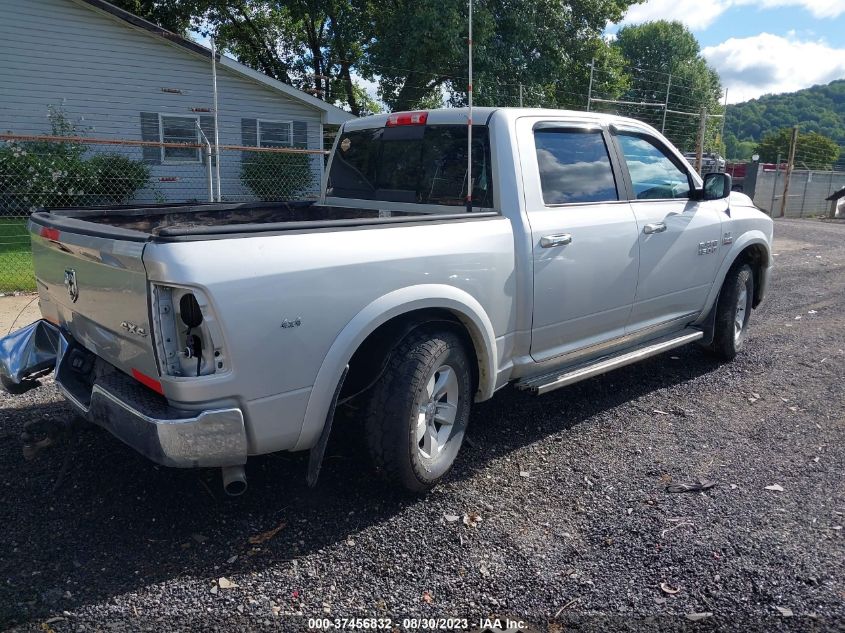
{"type": "Point", "coordinates": [15, 256]}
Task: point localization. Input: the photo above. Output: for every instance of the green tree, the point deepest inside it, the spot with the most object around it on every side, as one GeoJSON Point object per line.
{"type": "Point", "coordinates": [656, 51]}
{"type": "Point", "coordinates": [419, 51]}
{"type": "Point", "coordinates": [176, 16]}
{"type": "Point", "coordinates": [738, 150]}
{"type": "Point", "coordinates": [415, 51]}
{"type": "Point", "coordinates": [817, 109]}
{"type": "Point", "coordinates": [813, 150]}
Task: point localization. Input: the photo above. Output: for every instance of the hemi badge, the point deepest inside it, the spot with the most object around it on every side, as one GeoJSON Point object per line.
{"type": "Point", "coordinates": [727, 238]}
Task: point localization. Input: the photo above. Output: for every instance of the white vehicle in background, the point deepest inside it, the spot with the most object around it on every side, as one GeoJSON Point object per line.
{"type": "Point", "coordinates": [711, 162]}
{"type": "Point", "coordinates": [205, 334]}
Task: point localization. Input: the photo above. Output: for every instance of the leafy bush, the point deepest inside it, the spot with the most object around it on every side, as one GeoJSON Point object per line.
{"type": "Point", "coordinates": [278, 176]}
{"type": "Point", "coordinates": [57, 173]}
{"type": "Point", "coordinates": [116, 178]}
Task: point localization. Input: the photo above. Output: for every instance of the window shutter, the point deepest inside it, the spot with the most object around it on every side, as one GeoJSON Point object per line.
{"type": "Point", "coordinates": [207, 127]}
{"type": "Point", "coordinates": [300, 134]}
{"type": "Point", "coordinates": [249, 136]}
{"type": "Point", "coordinates": [150, 132]}
{"type": "Point", "coordinates": [249, 132]}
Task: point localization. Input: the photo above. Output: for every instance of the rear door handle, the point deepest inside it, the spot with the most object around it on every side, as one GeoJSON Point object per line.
{"type": "Point", "coordinates": [656, 227]}
{"type": "Point", "coordinates": [550, 241]}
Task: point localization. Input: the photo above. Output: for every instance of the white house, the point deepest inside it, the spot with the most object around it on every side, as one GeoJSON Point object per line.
{"type": "Point", "coordinates": [117, 77]}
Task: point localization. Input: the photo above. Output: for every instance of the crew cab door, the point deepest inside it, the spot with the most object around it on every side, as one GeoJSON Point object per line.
{"type": "Point", "coordinates": [679, 238]}
{"type": "Point", "coordinates": [584, 237]}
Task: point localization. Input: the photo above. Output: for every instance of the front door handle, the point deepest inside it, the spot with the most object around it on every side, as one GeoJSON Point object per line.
{"type": "Point", "coordinates": [656, 227]}
{"type": "Point", "coordinates": [550, 241]}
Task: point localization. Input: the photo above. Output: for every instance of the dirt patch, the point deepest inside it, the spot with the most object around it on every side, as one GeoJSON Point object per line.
{"type": "Point", "coordinates": [17, 311]}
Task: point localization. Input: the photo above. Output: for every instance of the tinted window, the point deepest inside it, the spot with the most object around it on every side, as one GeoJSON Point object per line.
{"type": "Point", "coordinates": [653, 174]}
{"type": "Point", "coordinates": [179, 129]}
{"type": "Point", "coordinates": [421, 164]}
{"type": "Point", "coordinates": [574, 166]}
{"type": "Point", "coordinates": [274, 133]}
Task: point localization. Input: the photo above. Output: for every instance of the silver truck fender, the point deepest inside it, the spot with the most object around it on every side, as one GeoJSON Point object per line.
{"type": "Point", "coordinates": [386, 307]}
{"type": "Point", "coordinates": [747, 239]}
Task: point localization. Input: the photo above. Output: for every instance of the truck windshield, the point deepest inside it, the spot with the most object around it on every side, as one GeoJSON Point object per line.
{"type": "Point", "coordinates": [416, 164]}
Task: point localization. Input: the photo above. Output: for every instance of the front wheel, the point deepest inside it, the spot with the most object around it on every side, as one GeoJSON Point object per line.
{"type": "Point", "coordinates": [418, 412]}
{"type": "Point", "coordinates": [733, 311]}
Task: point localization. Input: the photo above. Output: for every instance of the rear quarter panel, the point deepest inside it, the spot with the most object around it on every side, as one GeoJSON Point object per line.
{"type": "Point", "coordinates": [324, 279]}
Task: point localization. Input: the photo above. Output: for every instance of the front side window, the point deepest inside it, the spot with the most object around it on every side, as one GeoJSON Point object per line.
{"type": "Point", "coordinates": [275, 133]}
{"type": "Point", "coordinates": [574, 166]}
{"type": "Point", "coordinates": [653, 174]}
{"type": "Point", "coordinates": [179, 129]}
{"type": "Point", "coordinates": [415, 164]}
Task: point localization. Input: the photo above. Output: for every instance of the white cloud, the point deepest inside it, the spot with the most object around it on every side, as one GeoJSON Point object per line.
{"type": "Point", "coordinates": [766, 63]}
{"type": "Point", "coordinates": [695, 14]}
{"type": "Point", "coordinates": [699, 15]}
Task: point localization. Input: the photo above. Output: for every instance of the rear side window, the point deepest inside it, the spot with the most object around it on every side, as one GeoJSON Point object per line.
{"type": "Point", "coordinates": [416, 164]}
{"type": "Point", "coordinates": [574, 166]}
{"type": "Point", "coordinates": [654, 175]}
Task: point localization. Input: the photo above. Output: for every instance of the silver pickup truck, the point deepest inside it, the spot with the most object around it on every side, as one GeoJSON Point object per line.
{"type": "Point", "coordinates": [203, 334]}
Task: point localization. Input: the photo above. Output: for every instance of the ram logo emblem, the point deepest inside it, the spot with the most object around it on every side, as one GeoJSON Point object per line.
{"type": "Point", "coordinates": [71, 285]}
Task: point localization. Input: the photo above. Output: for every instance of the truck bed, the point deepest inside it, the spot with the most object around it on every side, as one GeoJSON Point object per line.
{"type": "Point", "coordinates": [206, 220]}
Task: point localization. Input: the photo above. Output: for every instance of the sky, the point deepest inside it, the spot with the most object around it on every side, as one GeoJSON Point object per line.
{"type": "Point", "coordinates": [760, 46]}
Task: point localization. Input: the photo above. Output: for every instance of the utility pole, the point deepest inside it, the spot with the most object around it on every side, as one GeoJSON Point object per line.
{"type": "Point", "coordinates": [792, 143]}
{"type": "Point", "coordinates": [590, 88]}
{"type": "Point", "coordinates": [520, 95]}
{"type": "Point", "coordinates": [699, 146]}
{"type": "Point", "coordinates": [469, 116]}
{"type": "Point", "coordinates": [666, 104]}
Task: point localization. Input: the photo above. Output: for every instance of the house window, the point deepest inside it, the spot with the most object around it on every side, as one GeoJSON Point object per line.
{"type": "Point", "coordinates": [179, 129]}
{"type": "Point", "coordinates": [275, 133]}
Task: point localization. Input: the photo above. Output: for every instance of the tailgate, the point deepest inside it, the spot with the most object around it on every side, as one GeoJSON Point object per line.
{"type": "Point", "coordinates": [95, 287]}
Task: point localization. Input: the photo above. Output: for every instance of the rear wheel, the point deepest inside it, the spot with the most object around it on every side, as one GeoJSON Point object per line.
{"type": "Point", "coordinates": [418, 412]}
{"type": "Point", "coordinates": [733, 311]}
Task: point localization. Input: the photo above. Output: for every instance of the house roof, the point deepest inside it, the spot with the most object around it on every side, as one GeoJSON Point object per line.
{"type": "Point", "coordinates": [837, 194]}
{"type": "Point", "coordinates": [331, 114]}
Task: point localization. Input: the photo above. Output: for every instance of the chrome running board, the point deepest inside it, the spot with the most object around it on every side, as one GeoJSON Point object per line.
{"type": "Point", "coordinates": [561, 378]}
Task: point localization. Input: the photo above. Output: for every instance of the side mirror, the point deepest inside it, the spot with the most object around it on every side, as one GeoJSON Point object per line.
{"type": "Point", "coordinates": [716, 186]}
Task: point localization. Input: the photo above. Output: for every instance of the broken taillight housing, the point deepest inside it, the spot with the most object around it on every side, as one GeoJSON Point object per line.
{"type": "Point", "coordinates": [188, 338]}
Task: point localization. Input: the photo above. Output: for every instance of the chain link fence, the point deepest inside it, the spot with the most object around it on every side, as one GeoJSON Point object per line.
{"type": "Point", "coordinates": [39, 171]}
{"type": "Point", "coordinates": [807, 192]}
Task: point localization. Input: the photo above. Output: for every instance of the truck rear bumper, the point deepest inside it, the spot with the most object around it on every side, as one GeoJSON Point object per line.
{"type": "Point", "coordinates": [133, 413]}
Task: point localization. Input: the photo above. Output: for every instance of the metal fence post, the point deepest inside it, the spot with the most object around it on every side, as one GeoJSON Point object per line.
{"type": "Point", "coordinates": [666, 105]}
{"type": "Point", "coordinates": [216, 126]}
{"type": "Point", "coordinates": [208, 165]}
{"type": "Point", "coordinates": [699, 146]}
{"type": "Point", "coordinates": [775, 188]}
{"type": "Point", "coordinates": [807, 179]}
{"type": "Point", "coordinates": [793, 142]}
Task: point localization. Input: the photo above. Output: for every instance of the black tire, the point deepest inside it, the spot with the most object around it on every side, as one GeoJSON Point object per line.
{"type": "Point", "coordinates": [392, 415]}
{"type": "Point", "coordinates": [17, 388]}
{"type": "Point", "coordinates": [739, 283]}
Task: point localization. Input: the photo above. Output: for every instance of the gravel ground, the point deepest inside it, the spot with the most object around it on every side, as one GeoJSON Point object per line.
{"type": "Point", "coordinates": [563, 519]}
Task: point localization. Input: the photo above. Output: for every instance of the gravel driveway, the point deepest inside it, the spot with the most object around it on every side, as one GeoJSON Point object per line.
{"type": "Point", "coordinates": [556, 514]}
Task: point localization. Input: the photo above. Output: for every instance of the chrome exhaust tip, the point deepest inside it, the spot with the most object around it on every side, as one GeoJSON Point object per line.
{"type": "Point", "coordinates": [234, 480]}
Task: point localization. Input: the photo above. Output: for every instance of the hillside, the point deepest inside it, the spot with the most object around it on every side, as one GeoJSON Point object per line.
{"type": "Point", "coordinates": [818, 109]}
